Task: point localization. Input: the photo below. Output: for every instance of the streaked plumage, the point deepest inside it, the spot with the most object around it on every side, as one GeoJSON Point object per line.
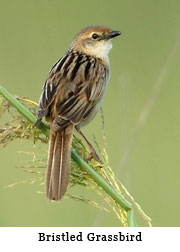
{"type": "Point", "coordinates": [71, 96]}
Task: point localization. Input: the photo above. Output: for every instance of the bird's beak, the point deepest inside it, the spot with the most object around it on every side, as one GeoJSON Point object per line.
{"type": "Point", "coordinates": [113, 34]}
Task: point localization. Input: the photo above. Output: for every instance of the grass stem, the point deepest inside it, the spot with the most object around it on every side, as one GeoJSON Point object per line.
{"type": "Point", "coordinates": [81, 163]}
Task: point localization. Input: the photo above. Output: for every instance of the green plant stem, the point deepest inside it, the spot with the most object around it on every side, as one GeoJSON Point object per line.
{"type": "Point", "coordinates": [82, 164]}
{"type": "Point", "coordinates": [132, 222]}
{"type": "Point", "coordinates": [100, 181]}
{"type": "Point", "coordinates": [23, 110]}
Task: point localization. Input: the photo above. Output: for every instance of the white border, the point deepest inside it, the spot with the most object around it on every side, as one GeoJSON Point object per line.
{"type": "Point", "coordinates": [26, 239]}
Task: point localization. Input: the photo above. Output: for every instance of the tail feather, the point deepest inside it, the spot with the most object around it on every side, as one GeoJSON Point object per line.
{"type": "Point", "coordinates": [58, 169]}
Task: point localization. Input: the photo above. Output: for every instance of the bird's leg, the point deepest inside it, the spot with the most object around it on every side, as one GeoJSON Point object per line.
{"type": "Point", "coordinates": [93, 153]}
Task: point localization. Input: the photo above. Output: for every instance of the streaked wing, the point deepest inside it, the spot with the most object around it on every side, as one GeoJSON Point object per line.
{"type": "Point", "coordinates": [75, 84]}
{"type": "Point", "coordinates": [81, 91]}
{"type": "Point", "coordinates": [49, 89]}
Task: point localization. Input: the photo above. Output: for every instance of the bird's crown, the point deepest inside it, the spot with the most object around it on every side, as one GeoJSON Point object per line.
{"type": "Point", "coordinates": [95, 41]}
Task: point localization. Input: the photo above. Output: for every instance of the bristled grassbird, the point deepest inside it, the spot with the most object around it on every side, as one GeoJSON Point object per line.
{"type": "Point", "coordinates": [71, 97]}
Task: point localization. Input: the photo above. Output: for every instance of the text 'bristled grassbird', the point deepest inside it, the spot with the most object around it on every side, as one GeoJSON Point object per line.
{"type": "Point", "coordinates": [71, 97]}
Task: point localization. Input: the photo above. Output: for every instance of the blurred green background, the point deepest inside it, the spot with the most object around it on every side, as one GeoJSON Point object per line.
{"type": "Point", "coordinates": [141, 107]}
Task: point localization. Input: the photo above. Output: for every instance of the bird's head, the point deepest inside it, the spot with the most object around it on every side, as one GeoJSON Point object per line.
{"type": "Point", "coordinates": [95, 41]}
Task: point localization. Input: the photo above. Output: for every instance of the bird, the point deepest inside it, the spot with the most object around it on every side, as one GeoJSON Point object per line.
{"type": "Point", "coordinates": [71, 96]}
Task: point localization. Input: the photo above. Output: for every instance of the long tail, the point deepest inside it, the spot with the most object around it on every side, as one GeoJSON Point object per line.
{"type": "Point", "coordinates": [58, 169]}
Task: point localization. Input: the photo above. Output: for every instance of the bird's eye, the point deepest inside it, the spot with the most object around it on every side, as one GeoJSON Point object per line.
{"type": "Point", "coordinates": [95, 36]}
